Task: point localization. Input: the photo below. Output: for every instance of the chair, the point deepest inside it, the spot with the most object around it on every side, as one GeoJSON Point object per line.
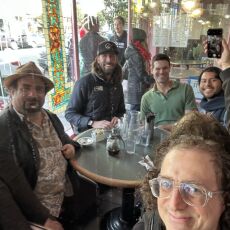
{"type": "Point", "coordinates": [82, 205]}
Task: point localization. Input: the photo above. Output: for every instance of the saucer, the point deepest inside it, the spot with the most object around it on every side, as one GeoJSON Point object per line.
{"type": "Point", "coordinates": [85, 140]}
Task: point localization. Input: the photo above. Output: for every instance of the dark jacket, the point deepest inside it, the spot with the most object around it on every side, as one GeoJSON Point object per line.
{"type": "Point", "coordinates": [149, 221]}
{"type": "Point", "coordinates": [121, 43]}
{"type": "Point", "coordinates": [88, 50]}
{"type": "Point", "coordinates": [94, 99]}
{"type": "Point", "coordinates": [138, 79]}
{"type": "Point", "coordinates": [152, 221]}
{"type": "Point", "coordinates": [225, 77]}
{"type": "Point", "coordinates": [18, 142]}
{"type": "Point", "coordinates": [16, 192]}
{"type": "Point", "coordinates": [215, 106]}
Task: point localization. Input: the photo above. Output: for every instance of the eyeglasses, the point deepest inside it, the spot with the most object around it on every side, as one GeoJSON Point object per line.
{"type": "Point", "coordinates": [192, 194]}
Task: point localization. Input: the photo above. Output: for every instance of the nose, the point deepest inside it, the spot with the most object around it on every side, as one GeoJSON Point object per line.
{"type": "Point", "coordinates": [176, 201]}
{"type": "Point", "coordinates": [208, 83]}
{"type": "Point", "coordinates": [161, 71]}
{"type": "Point", "coordinates": [109, 58]}
{"type": "Point", "coordinates": [32, 92]}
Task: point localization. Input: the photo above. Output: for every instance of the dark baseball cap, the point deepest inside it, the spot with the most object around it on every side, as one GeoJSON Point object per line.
{"type": "Point", "coordinates": [107, 47]}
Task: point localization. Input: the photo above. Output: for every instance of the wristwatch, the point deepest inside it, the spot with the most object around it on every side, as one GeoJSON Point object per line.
{"type": "Point", "coordinates": [90, 123]}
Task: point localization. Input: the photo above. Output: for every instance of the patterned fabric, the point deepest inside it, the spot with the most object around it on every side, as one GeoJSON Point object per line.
{"type": "Point", "coordinates": [51, 180]}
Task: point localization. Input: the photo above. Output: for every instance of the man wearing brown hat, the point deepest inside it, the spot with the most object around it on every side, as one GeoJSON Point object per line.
{"type": "Point", "coordinates": [97, 99]}
{"type": "Point", "coordinates": [38, 146]}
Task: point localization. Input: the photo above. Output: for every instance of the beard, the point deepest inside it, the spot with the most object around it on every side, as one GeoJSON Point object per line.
{"type": "Point", "coordinates": [32, 106]}
{"type": "Point", "coordinates": [108, 71]}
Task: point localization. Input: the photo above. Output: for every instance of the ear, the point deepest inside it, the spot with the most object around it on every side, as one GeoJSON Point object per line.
{"type": "Point", "coordinates": [11, 91]}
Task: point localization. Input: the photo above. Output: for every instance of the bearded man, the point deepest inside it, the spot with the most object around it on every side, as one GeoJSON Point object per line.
{"type": "Point", "coordinates": [34, 154]}
{"type": "Point", "coordinates": [97, 100]}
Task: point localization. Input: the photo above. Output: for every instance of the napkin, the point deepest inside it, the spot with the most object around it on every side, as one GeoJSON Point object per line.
{"type": "Point", "coordinates": [147, 163]}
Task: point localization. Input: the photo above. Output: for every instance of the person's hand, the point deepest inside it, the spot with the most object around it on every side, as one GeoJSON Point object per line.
{"type": "Point", "coordinates": [102, 124]}
{"type": "Point", "coordinates": [224, 61]}
{"type": "Point", "coordinates": [114, 121]}
{"type": "Point", "coordinates": [53, 225]}
{"type": "Point", "coordinates": [166, 127]}
{"type": "Point", "coordinates": [68, 151]}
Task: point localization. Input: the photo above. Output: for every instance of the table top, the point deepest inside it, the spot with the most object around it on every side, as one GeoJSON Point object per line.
{"type": "Point", "coordinates": [122, 170]}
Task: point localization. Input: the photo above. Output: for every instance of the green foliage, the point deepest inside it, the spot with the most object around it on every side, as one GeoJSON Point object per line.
{"type": "Point", "coordinates": [114, 8]}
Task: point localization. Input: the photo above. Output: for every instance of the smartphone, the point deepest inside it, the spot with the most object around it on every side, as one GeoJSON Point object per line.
{"type": "Point", "coordinates": [215, 42]}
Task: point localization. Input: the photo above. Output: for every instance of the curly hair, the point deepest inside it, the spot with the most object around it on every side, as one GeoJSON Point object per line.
{"type": "Point", "coordinates": [196, 131]}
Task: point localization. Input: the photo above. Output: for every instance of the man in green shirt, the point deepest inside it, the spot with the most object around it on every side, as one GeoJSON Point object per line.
{"type": "Point", "coordinates": [169, 100]}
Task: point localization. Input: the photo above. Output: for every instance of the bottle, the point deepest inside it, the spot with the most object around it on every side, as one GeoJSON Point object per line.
{"type": "Point", "coordinates": [149, 124]}
{"type": "Point", "coordinates": [124, 127]}
{"type": "Point", "coordinates": [134, 122]}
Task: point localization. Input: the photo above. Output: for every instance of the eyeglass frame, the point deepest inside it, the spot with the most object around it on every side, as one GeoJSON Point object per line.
{"type": "Point", "coordinates": [208, 194]}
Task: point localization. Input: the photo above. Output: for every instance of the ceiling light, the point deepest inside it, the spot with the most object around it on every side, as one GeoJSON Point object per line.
{"type": "Point", "coordinates": [189, 5]}
{"type": "Point", "coordinates": [197, 13]}
{"type": "Point", "coordinates": [153, 4]}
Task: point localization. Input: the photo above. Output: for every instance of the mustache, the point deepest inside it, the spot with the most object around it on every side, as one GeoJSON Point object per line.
{"type": "Point", "coordinates": [32, 99]}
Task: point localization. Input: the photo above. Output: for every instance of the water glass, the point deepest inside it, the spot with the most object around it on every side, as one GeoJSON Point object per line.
{"type": "Point", "coordinates": [138, 134]}
{"type": "Point", "coordinates": [145, 138]}
{"type": "Point", "coordinates": [130, 143]}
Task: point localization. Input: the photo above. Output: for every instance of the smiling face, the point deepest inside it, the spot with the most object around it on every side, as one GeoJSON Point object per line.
{"type": "Point", "coordinates": [107, 62]}
{"type": "Point", "coordinates": [161, 70]}
{"type": "Point", "coordinates": [210, 85]}
{"type": "Point", "coordinates": [190, 165]}
{"type": "Point", "coordinates": [29, 95]}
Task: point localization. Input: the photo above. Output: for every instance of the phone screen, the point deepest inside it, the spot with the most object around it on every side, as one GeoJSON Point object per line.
{"type": "Point", "coordinates": [214, 43]}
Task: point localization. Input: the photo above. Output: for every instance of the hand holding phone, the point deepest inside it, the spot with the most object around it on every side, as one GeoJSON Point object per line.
{"type": "Point", "coordinates": [215, 42]}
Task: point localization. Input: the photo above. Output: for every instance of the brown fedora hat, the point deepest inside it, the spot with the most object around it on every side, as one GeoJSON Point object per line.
{"type": "Point", "coordinates": [28, 69]}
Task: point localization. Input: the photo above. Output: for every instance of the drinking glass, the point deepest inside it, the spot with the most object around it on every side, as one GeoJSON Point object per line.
{"type": "Point", "coordinates": [145, 137]}
{"type": "Point", "coordinates": [130, 143]}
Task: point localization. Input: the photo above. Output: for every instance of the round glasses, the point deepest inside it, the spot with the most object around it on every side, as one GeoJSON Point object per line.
{"type": "Point", "coordinates": [192, 194]}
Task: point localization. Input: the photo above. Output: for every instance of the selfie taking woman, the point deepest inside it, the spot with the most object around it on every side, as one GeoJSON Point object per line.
{"type": "Point", "coordinates": [189, 188]}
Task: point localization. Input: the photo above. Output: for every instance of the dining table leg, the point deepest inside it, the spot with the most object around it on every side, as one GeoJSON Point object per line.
{"type": "Point", "coordinates": [121, 218]}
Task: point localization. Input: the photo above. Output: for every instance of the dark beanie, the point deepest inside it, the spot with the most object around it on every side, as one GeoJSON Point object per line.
{"type": "Point", "coordinates": [138, 34]}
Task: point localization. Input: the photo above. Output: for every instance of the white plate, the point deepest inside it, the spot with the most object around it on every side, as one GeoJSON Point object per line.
{"type": "Point", "coordinates": [85, 140]}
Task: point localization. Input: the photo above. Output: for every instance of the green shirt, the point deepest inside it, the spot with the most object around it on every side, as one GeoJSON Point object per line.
{"type": "Point", "coordinates": [171, 107]}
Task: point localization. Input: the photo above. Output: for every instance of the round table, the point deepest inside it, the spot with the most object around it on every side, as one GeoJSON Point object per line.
{"type": "Point", "coordinates": [122, 170]}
